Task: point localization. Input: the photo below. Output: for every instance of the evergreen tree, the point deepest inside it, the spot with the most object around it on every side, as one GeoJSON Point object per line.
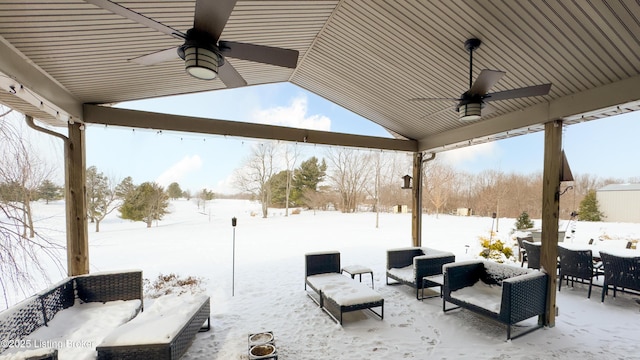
{"type": "Point", "coordinates": [278, 184]}
{"type": "Point", "coordinates": [146, 203]}
{"type": "Point", "coordinates": [174, 191]}
{"type": "Point", "coordinates": [49, 191]}
{"type": "Point", "coordinates": [207, 195]}
{"type": "Point", "coordinates": [306, 179]}
{"type": "Point", "coordinates": [589, 208]}
{"type": "Point", "coordinates": [125, 188]}
{"type": "Point", "coordinates": [523, 221]}
{"type": "Point", "coordinates": [11, 191]}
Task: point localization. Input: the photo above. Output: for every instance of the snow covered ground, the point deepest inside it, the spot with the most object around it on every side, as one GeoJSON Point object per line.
{"type": "Point", "coordinates": [269, 284]}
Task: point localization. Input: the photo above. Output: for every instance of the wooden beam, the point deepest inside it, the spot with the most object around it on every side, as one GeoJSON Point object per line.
{"type": "Point", "coordinates": [150, 120]}
{"type": "Point", "coordinates": [551, 213]}
{"type": "Point", "coordinates": [75, 197]}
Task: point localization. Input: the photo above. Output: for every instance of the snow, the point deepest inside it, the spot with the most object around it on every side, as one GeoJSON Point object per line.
{"type": "Point", "coordinates": [486, 296]}
{"type": "Point", "coordinates": [406, 273]}
{"type": "Point", "coordinates": [432, 254]}
{"type": "Point", "coordinates": [159, 323]}
{"type": "Point", "coordinates": [343, 290]}
{"type": "Point", "coordinates": [77, 330]}
{"type": "Point", "coordinates": [270, 295]}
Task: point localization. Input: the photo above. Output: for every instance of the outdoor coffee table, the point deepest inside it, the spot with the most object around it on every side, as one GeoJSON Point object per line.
{"type": "Point", "coordinates": [354, 270]}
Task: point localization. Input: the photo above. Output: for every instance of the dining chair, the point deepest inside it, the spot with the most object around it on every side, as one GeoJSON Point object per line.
{"type": "Point", "coordinates": [522, 254]}
{"type": "Point", "coordinates": [533, 254]}
{"type": "Point", "coordinates": [577, 265]}
{"type": "Point", "coordinates": [620, 273]}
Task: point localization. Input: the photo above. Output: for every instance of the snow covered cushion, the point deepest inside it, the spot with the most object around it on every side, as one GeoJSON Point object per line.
{"type": "Point", "coordinates": [343, 290]}
{"type": "Point", "coordinates": [486, 296]}
{"type": "Point", "coordinates": [407, 273]}
{"type": "Point", "coordinates": [159, 323]}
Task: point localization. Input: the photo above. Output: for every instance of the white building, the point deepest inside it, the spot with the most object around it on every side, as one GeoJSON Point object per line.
{"type": "Point", "coordinates": [620, 202]}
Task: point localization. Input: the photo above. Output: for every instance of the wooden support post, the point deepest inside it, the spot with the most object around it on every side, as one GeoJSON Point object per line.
{"type": "Point", "coordinates": [550, 213]}
{"type": "Point", "coordinates": [416, 207]}
{"type": "Point", "coordinates": [76, 203]}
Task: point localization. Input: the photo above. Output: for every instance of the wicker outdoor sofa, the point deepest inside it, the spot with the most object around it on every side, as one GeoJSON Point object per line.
{"type": "Point", "coordinates": [501, 292]}
{"type": "Point", "coordinates": [410, 265]}
{"type": "Point", "coordinates": [32, 313]}
{"type": "Point", "coordinates": [337, 294]}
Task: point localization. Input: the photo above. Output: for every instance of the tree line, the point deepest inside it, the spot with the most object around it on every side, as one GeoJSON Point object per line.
{"type": "Point", "coordinates": [353, 180]}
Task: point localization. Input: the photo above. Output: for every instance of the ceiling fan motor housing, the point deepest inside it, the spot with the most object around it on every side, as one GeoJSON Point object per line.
{"type": "Point", "coordinates": [201, 55]}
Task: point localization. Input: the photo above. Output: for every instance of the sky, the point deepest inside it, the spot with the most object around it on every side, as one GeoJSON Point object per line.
{"type": "Point", "coordinates": [604, 148]}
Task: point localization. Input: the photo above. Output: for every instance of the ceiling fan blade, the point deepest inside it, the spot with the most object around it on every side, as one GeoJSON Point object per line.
{"type": "Point", "coordinates": [535, 90]}
{"type": "Point", "coordinates": [132, 15]}
{"type": "Point", "coordinates": [433, 99]}
{"type": "Point", "coordinates": [451, 109]}
{"type": "Point", "coordinates": [485, 81]}
{"type": "Point", "coordinates": [157, 57]}
{"type": "Point", "coordinates": [230, 76]}
{"type": "Point", "coordinates": [260, 53]}
{"type": "Point", "coordinates": [211, 16]}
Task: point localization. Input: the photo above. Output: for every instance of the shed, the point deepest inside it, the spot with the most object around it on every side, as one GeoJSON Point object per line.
{"type": "Point", "coordinates": [619, 202]}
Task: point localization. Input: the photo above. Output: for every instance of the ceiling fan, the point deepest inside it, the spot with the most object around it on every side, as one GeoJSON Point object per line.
{"type": "Point", "coordinates": [204, 54]}
{"type": "Point", "coordinates": [471, 102]}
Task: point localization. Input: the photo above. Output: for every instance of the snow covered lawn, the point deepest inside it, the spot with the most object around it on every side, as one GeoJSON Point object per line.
{"type": "Point", "coordinates": [270, 295]}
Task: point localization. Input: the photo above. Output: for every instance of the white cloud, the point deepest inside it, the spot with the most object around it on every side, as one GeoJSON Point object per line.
{"type": "Point", "coordinates": [295, 115]}
{"type": "Point", "coordinates": [179, 170]}
{"type": "Point", "coordinates": [459, 156]}
{"type": "Point", "coordinates": [225, 186]}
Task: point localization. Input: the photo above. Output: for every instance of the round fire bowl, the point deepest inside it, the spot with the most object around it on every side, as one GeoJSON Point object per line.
{"type": "Point", "coordinates": [262, 350]}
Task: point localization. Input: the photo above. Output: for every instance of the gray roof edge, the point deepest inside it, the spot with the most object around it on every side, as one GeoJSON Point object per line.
{"type": "Point", "coordinates": [620, 187]}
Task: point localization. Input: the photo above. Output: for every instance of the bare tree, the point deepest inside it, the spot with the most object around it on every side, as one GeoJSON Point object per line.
{"type": "Point", "coordinates": [315, 199]}
{"type": "Point", "coordinates": [291, 154]}
{"type": "Point", "coordinates": [22, 172]}
{"type": "Point", "coordinates": [350, 170]}
{"type": "Point", "coordinates": [254, 176]}
{"type": "Point", "coordinates": [385, 189]}
{"type": "Point", "coordinates": [22, 258]}
{"type": "Point", "coordinates": [101, 195]}
{"type": "Point", "coordinates": [438, 180]}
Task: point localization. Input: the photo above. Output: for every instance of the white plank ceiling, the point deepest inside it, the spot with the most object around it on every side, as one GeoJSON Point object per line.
{"type": "Point", "coordinates": [369, 56]}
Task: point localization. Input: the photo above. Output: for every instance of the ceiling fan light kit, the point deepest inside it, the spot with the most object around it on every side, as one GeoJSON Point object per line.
{"type": "Point", "coordinates": [201, 57]}
{"type": "Point", "coordinates": [201, 63]}
{"type": "Point", "coordinates": [470, 112]}
{"type": "Point", "coordinates": [471, 102]}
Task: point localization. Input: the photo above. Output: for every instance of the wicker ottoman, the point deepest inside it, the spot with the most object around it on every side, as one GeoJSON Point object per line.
{"type": "Point", "coordinates": [165, 335]}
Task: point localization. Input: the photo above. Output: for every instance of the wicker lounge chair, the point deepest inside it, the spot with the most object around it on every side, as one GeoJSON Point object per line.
{"type": "Point", "coordinates": [337, 294]}
{"type": "Point", "coordinates": [409, 266]}
{"type": "Point", "coordinates": [577, 264]}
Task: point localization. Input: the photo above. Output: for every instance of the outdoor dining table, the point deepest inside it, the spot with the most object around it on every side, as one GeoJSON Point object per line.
{"type": "Point", "coordinates": [595, 250]}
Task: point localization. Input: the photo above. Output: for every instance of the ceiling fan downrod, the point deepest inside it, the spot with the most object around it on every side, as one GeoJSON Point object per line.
{"type": "Point", "coordinates": [471, 45]}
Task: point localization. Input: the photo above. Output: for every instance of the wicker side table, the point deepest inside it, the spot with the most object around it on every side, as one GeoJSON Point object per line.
{"type": "Point", "coordinates": [354, 270]}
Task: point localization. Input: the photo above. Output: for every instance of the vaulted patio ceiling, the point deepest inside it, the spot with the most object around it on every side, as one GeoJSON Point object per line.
{"type": "Point", "coordinates": [368, 56]}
